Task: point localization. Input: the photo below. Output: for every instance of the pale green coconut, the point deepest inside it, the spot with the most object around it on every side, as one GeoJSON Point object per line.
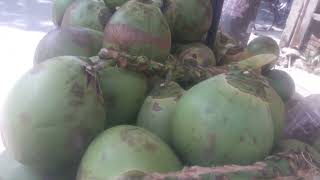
{"type": "Point", "coordinates": [68, 41]}
{"type": "Point", "coordinates": [224, 120]}
{"type": "Point", "coordinates": [92, 14]}
{"type": "Point", "coordinates": [126, 149]}
{"type": "Point", "coordinates": [159, 108]}
{"type": "Point", "coordinates": [52, 114]}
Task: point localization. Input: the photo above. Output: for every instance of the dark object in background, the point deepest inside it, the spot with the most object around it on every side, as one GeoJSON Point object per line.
{"type": "Point", "coordinates": [236, 18]}
{"type": "Point", "coordinates": [217, 10]}
{"type": "Point", "coordinates": [303, 120]}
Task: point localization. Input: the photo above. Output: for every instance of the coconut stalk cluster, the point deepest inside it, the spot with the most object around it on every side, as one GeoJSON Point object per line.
{"type": "Point", "coordinates": [126, 89]}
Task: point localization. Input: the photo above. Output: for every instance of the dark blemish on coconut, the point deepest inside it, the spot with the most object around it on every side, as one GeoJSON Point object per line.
{"type": "Point", "coordinates": [110, 101]}
{"type": "Point", "coordinates": [151, 147]}
{"type": "Point", "coordinates": [77, 90]}
{"type": "Point", "coordinates": [25, 118]}
{"type": "Point", "coordinates": [127, 137]}
{"type": "Point", "coordinates": [81, 38]}
{"type": "Point", "coordinates": [209, 150]}
{"type": "Point", "coordinates": [156, 107]}
{"type": "Point", "coordinates": [241, 139]}
{"type": "Point", "coordinates": [79, 138]}
{"type": "Point", "coordinates": [254, 140]}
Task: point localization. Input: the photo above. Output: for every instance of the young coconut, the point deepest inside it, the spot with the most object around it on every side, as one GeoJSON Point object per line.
{"type": "Point", "coordinates": [158, 109]}
{"type": "Point", "coordinates": [278, 112]}
{"type": "Point", "coordinates": [59, 7]}
{"type": "Point", "coordinates": [68, 41]}
{"type": "Point", "coordinates": [197, 53]}
{"type": "Point", "coordinates": [124, 92]}
{"type": "Point", "coordinates": [282, 82]}
{"type": "Point", "coordinates": [259, 45]}
{"type": "Point", "coordinates": [185, 25]}
{"type": "Point", "coordinates": [139, 29]}
{"type": "Point", "coordinates": [125, 150]}
{"type": "Point", "coordinates": [92, 14]}
{"type": "Point", "coordinates": [224, 120]}
{"type": "Point", "coordinates": [52, 114]}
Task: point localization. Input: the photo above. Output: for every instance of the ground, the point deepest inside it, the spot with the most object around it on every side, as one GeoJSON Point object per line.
{"type": "Point", "coordinates": [23, 25]}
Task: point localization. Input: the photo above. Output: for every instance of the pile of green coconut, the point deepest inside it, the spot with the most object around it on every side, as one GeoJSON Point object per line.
{"type": "Point", "coordinates": [129, 90]}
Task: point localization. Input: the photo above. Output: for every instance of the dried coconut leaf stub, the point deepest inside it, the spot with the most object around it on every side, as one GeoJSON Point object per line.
{"type": "Point", "coordinates": [303, 120]}
{"type": "Point", "coordinates": [225, 45]}
{"type": "Point", "coordinates": [279, 166]}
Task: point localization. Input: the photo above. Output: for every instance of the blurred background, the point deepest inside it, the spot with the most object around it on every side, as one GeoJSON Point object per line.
{"type": "Point", "coordinates": [22, 24]}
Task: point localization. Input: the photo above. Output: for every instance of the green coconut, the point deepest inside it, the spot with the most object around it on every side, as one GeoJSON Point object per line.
{"type": "Point", "coordinates": [11, 169]}
{"type": "Point", "coordinates": [263, 45]}
{"type": "Point", "coordinates": [52, 114]}
{"type": "Point", "coordinates": [158, 109]}
{"type": "Point", "coordinates": [224, 120]}
{"type": "Point", "coordinates": [278, 111]}
{"type": "Point", "coordinates": [59, 7]}
{"type": "Point", "coordinates": [282, 83]}
{"type": "Point", "coordinates": [189, 20]}
{"type": "Point", "coordinates": [126, 150]}
{"type": "Point", "coordinates": [124, 92]}
{"type": "Point", "coordinates": [139, 29]}
{"type": "Point", "coordinates": [68, 41]}
{"type": "Point", "coordinates": [197, 53]}
{"type": "Point", "coordinates": [92, 14]}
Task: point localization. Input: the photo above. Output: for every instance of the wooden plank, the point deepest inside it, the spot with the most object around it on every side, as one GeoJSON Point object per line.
{"type": "Point", "coordinates": [303, 25]}
{"type": "Point", "coordinates": [294, 15]}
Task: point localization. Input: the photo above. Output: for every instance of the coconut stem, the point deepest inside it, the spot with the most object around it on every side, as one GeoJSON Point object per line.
{"type": "Point", "coordinates": [174, 70]}
{"type": "Point", "coordinates": [283, 165]}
